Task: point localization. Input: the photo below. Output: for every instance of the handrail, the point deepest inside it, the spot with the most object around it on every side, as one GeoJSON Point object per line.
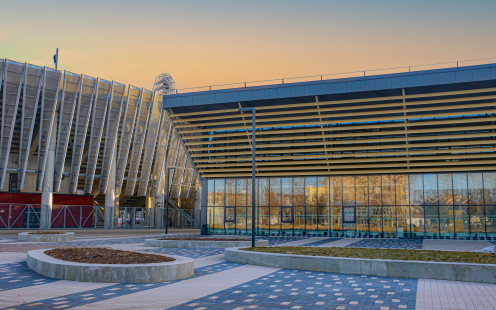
{"type": "Point", "coordinates": [244, 84]}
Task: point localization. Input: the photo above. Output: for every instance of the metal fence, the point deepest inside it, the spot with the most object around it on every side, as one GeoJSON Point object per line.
{"type": "Point", "coordinates": [181, 218]}
{"type": "Point", "coordinates": [28, 216]}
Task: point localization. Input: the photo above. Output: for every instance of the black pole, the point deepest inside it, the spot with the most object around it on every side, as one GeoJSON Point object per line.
{"type": "Point", "coordinates": [253, 136]}
{"type": "Point", "coordinates": [167, 202]}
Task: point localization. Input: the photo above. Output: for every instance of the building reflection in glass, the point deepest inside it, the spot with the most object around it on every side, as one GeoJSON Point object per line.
{"type": "Point", "coordinates": [418, 205]}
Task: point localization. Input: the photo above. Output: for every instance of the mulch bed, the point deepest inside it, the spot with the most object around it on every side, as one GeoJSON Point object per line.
{"type": "Point", "coordinates": [393, 254]}
{"type": "Point", "coordinates": [46, 232]}
{"type": "Point", "coordinates": [93, 255]}
{"type": "Point", "coordinates": [206, 239]}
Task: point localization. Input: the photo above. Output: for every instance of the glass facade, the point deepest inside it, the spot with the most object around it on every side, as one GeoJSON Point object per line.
{"type": "Point", "coordinates": [441, 205]}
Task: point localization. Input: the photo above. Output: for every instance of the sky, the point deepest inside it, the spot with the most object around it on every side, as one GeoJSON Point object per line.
{"type": "Point", "coordinates": [211, 42]}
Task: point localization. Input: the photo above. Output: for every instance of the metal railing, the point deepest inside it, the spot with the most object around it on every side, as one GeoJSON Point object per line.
{"type": "Point", "coordinates": [320, 77]}
{"type": "Point", "coordinates": [181, 218]}
{"type": "Point", "coordinates": [29, 216]}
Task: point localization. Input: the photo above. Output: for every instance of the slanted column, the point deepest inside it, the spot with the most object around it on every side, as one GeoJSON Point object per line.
{"type": "Point", "coordinates": [48, 176]}
{"type": "Point", "coordinates": [159, 204]}
{"type": "Point", "coordinates": [110, 207]}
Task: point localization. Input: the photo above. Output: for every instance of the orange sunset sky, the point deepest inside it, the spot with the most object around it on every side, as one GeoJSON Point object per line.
{"type": "Point", "coordinates": [220, 41]}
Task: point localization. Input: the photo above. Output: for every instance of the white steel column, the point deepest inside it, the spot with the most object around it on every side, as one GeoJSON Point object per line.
{"type": "Point", "coordinates": [110, 194]}
{"type": "Point", "coordinates": [159, 201]}
{"type": "Point", "coordinates": [48, 177]}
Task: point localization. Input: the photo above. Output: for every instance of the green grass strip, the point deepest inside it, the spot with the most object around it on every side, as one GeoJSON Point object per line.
{"type": "Point", "coordinates": [392, 254]}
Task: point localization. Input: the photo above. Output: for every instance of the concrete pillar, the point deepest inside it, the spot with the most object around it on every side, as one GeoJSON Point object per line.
{"type": "Point", "coordinates": [47, 188]}
{"type": "Point", "coordinates": [159, 204]}
{"type": "Point", "coordinates": [110, 194]}
{"type": "Point", "coordinates": [150, 210]}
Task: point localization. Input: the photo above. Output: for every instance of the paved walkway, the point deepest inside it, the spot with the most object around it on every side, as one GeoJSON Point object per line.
{"type": "Point", "coordinates": [218, 284]}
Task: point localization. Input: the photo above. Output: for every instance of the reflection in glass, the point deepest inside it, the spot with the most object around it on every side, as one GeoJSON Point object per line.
{"type": "Point", "coordinates": [461, 220]}
{"type": "Point", "coordinates": [336, 218]}
{"type": "Point", "coordinates": [491, 220]}
{"type": "Point", "coordinates": [241, 218]}
{"type": "Point", "coordinates": [389, 220]}
{"type": "Point", "coordinates": [249, 204]}
{"type": "Point", "coordinates": [362, 193]}
{"type": "Point", "coordinates": [446, 220]}
{"type": "Point", "coordinates": [323, 192]}
{"type": "Point", "coordinates": [241, 192]}
{"type": "Point", "coordinates": [431, 220]}
{"type": "Point", "coordinates": [219, 192]}
{"type": "Point", "coordinates": [349, 191]}
{"type": "Point", "coordinates": [388, 190]}
{"type": "Point", "coordinates": [490, 188]}
{"type": "Point", "coordinates": [418, 219]}
{"type": "Point", "coordinates": [323, 218]}
{"type": "Point", "coordinates": [362, 223]}
{"type": "Point", "coordinates": [460, 188]}
{"type": "Point", "coordinates": [211, 192]}
{"type": "Point", "coordinates": [311, 192]}
{"type": "Point", "coordinates": [430, 189]}
{"type": "Point", "coordinates": [403, 220]}
{"type": "Point", "coordinates": [230, 192]}
{"type": "Point", "coordinates": [416, 189]}
{"type": "Point", "coordinates": [311, 203]}
{"type": "Point", "coordinates": [287, 191]}
{"type": "Point", "coordinates": [210, 217]}
{"type": "Point", "coordinates": [275, 192]}
{"type": "Point", "coordinates": [402, 193]}
{"type": "Point", "coordinates": [275, 218]}
{"type": "Point", "coordinates": [336, 191]}
{"type": "Point", "coordinates": [299, 192]}
{"type": "Point", "coordinates": [375, 220]}
{"type": "Point", "coordinates": [475, 189]}
{"type": "Point", "coordinates": [219, 218]}
{"type": "Point", "coordinates": [375, 195]}
{"type": "Point", "coordinates": [445, 189]}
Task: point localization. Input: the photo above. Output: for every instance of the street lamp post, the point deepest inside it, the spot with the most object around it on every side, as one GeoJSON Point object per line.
{"type": "Point", "coordinates": [253, 129]}
{"type": "Point", "coordinates": [167, 202]}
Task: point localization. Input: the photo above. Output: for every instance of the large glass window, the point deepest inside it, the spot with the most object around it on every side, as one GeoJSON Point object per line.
{"type": "Point", "coordinates": [241, 205]}
{"type": "Point", "coordinates": [263, 206]}
{"type": "Point", "coordinates": [299, 205]}
{"type": "Point", "coordinates": [311, 203]}
{"type": "Point", "coordinates": [349, 191]}
{"type": "Point", "coordinates": [416, 189]}
{"type": "Point", "coordinates": [416, 205]}
{"type": "Point", "coordinates": [388, 190]}
{"type": "Point", "coordinates": [230, 192]}
{"type": "Point", "coordinates": [375, 194]}
{"type": "Point", "coordinates": [275, 204]}
{"type": "Point", "coordinates": [219, 192]}
{"type": "Point", "coordinates": [336, 191]}
{"type": "Point", "coordinates": [476, 202]}
{"type": "Point", "coordinates": [362, 192]}
{"type": "Point", "coordinates": [287, 204]}
{"type": "Point", "coordinates": [323, 204]}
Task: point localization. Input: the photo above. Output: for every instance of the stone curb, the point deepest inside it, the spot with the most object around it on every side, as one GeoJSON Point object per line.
{"type": "Point", "coordinates": [27, 237]}
{"type": "Point", "coordinates": [182, 267]}
{"type": "Point", "coordinates": [194, 244]}
{"type": "Point", "coordinates": [481, 273]}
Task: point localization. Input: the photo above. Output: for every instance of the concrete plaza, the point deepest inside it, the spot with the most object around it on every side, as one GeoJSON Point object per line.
{"type": "Point", "coordinates": [218, 284]}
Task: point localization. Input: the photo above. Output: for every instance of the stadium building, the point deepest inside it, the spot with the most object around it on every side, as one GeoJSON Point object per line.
{"type": "Point", "coordinates": [78, 151]}
{"type": "Point", "coordinates": [396, 155]}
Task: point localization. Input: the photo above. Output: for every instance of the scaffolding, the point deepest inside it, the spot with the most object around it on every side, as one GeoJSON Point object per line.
{"type": "Point", "coordinates": [164, 84]}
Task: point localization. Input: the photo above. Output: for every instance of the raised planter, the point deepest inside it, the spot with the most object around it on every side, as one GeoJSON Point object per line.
{"type": "Point", "coordinates": [48, 266]}
{"type": "Point", "coordinates": [482, 273]}
{"type": "Point", "coordinates": [198, 244]}
{"type": "Point", "coordinates": [26, 236]}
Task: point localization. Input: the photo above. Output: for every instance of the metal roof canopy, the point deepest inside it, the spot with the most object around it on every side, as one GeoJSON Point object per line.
{"type": "Point", "coordinates": [438, 80]}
